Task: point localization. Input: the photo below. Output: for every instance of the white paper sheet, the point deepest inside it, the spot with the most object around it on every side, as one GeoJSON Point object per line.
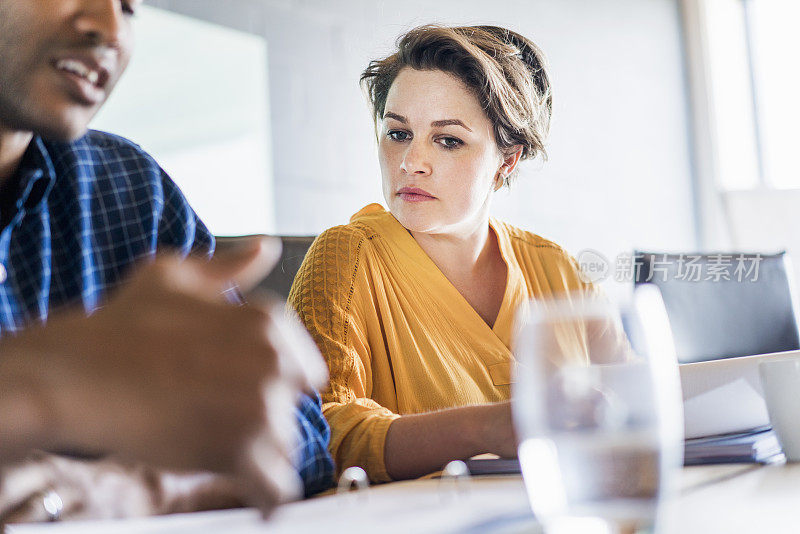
{"type": "Point", "coordinates": [732, 407]}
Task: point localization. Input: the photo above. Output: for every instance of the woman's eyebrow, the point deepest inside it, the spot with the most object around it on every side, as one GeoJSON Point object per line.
{"type": "Point", "coordinates": [395, 116]}
{"type": "Point", "coordinates": [450, 122]}
{"type": "Point", "coordinates": [435, 124]}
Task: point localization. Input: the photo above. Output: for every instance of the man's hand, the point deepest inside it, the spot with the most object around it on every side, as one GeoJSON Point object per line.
{"type": "Point", "coordinates": [106, 489]}
{"type": "Point", "coordinates": [170, 373]}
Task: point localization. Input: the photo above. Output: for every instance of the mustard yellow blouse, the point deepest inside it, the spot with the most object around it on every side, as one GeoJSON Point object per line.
{"type": "Point", "coordinates": [398, 336]}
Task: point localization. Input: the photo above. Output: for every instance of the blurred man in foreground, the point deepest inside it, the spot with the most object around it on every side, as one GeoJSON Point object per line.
{"type": "Point", "coordinates": [117, 344]}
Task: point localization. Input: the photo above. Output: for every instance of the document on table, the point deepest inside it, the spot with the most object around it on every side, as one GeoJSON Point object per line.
{"type": "Point", "coordinates": [710, 413]}
{"type": "Point", "coordinates": [723, 396]}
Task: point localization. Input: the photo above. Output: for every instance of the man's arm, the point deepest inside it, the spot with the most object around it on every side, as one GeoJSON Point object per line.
{"type": "Point", "coordinates": [25, 417]}
{"type": "Point", "coordinates": [311, 457]}
{"type": "Point", "coordinates": [179, 227]}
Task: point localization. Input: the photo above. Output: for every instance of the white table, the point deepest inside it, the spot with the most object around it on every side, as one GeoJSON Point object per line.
{"type": "Point", "coordinates": [746, 498]}
{"type": "Point", "coordinates": [725, 499]}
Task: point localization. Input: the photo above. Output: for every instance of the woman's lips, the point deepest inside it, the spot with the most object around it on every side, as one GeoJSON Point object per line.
{"type": "Point", "coordinates": [414, 194]}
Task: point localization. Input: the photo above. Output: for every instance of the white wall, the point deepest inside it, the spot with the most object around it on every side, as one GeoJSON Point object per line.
{"type": "Point", "coordinates": [619, 174]}
{"type": "Point", "coordinates": [766, 220]}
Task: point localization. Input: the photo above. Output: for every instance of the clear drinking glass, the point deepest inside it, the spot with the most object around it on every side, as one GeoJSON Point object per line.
{"type": "Point", "coordinates": [597, 409]}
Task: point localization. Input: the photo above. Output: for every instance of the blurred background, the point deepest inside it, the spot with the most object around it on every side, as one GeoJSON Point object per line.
{"type": "Point", "coordinates": [675, 121]}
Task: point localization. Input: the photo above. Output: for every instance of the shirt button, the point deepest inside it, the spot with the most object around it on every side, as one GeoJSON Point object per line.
{"type": "Point", "coordinates": [3, 273]}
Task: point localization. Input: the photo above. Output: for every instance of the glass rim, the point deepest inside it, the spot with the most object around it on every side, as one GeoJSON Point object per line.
{"type": "Point", "coordinates": [563, 307]}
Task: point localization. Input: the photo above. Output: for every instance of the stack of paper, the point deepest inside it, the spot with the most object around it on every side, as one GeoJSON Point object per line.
{"type": "Point", "coordinates": [757, 445]}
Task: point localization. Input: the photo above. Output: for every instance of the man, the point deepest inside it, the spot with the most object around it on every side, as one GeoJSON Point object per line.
{"type": "Point", "coordinates": [108, 350]}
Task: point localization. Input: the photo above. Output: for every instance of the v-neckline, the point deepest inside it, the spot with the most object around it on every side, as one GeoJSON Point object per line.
{"type": "Point", "coordinates": [501, 329]}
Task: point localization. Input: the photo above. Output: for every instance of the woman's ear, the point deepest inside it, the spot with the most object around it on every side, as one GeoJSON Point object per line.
{"type": "Point", "coordinates": [510, 159]}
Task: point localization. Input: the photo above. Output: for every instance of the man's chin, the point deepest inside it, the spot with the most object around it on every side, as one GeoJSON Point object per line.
{"type": "Point", "coordinates": [48, 114]}
{"type": "Point", "coordinates": [63, 131]}
{"type": "Point", "coordinates": [61, 123]}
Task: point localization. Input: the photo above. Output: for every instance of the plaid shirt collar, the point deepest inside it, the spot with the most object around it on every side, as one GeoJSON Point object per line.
{"type": "Point", "coordinates": [36, 176]}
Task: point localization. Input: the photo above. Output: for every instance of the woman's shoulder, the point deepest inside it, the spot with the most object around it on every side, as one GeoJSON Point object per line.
{"type": "Point", "coordinates": [349, 239]}
{"type": "Point", "coordinates": [329, 268]}
{"type": "Point", "coordinates": [344, 237]}
{"type": "Point", "coordinates": [538, 254]}
{"type": "Point", "coordinates": [338, 246]}
{"type": "Point", "coordinates": [529, 243]}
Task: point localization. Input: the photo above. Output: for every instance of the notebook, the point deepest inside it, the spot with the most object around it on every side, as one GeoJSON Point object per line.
{"type": "Point", "coordinates": [756, 446]}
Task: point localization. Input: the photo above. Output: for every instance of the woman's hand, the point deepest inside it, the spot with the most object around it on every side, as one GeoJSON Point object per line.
{"type": "Point", "coordinates": [495, 428]}
{"type": "Point", "coordinates": [420, 444]}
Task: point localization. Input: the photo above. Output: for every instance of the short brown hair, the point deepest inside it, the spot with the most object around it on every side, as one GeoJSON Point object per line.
{"type": "Point", "coordinates": [506, 71]}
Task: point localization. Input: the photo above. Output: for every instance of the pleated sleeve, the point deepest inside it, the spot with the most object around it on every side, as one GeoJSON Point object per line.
{"type": "Point", "coordinates": [332, 294]}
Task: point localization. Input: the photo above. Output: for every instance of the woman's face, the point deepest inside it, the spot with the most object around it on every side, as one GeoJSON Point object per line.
{"type": "Point", "coordinates": [439, 160]}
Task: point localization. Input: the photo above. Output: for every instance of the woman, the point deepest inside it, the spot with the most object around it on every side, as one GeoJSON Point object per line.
{"type": "Point", "coordinates": [413, 307]}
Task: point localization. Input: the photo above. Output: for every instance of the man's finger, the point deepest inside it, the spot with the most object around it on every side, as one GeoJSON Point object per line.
{"type": "Point", "coordinates": [246, 261]}
{"type": "Point", "coordinates": [268, 476]}
{"type": "Point", "coordinates": [299, 360]}
{"type": "Point", "coordinates": [20, 487]}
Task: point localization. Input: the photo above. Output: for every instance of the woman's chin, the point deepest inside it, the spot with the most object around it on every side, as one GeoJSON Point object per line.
{"type": "Point", "coordinates": [414, 220]}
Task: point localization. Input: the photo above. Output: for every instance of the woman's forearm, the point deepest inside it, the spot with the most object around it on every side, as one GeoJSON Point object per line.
{"type": "Point", "coordinates": [420, 444]}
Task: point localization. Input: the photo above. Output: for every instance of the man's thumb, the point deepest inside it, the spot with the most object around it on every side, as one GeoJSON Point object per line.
{"type": "Point", "coordinates": [244, 260]}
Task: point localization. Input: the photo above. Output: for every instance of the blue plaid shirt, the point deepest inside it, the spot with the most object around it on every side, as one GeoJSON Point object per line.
{"type": "Point", "coordinates": [86, 212]}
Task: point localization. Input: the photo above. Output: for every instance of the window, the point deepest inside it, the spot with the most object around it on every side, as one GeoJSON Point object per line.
{"type": "Point", "coordinates": [199, 105]}
{"type": "Point", "coordinates": [731, 96]}
{"type": "Point", "coordinates": [775, 42]}
{"type": "Point", "coordinates": [754, 83]}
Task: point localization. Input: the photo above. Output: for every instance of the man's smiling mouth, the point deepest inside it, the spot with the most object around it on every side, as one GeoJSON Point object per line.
{"type": "Point", "coordinates": [78, 68]}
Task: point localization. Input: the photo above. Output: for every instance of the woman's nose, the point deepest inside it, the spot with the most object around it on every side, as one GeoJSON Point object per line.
{"type": "Point", "coordinates": [416, 159]}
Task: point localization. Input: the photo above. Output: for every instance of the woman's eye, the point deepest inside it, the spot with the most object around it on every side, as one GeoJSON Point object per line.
{"type": "Point", "coordinates": [127, 8]}
{"type": "Point", "coordinates": [398, 135]}
{"type": "Point", "coordinates": [450, 142]}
